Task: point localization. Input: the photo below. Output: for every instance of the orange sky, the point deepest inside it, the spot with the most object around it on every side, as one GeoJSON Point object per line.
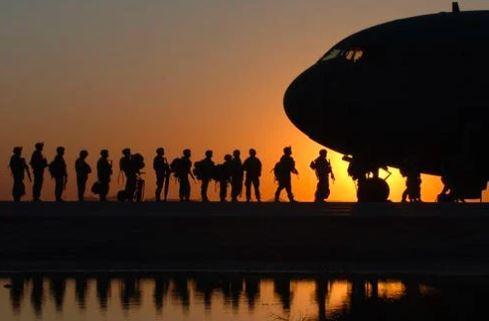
{"type": "Point", "coordinates": [197, 74]}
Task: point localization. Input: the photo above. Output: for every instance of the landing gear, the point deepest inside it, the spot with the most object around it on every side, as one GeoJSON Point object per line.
{"type": "Point", "coordinates": [372, 189]}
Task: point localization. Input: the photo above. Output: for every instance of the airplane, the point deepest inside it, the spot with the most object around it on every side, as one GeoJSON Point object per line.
{"type": "Point", "coordinates": [412, 94]}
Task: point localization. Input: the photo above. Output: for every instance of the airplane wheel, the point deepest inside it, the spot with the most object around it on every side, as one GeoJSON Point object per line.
{"type": "Point", "coordinates": [373, 190]}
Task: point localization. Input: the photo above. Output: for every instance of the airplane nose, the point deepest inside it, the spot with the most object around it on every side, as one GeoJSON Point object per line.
{"type": "Point", "coordinates": [304, 101]}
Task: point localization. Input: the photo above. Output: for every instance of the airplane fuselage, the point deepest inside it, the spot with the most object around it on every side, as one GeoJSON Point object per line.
{"type": "Point", "coordinates": [414, 88]}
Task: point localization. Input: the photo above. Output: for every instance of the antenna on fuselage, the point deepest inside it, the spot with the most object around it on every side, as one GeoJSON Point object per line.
{"type": "Point", "coordinates": [455, 7]}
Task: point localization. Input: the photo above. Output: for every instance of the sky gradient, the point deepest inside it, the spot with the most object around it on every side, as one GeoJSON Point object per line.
{"type": "Point", "coordinates": [202, 74]}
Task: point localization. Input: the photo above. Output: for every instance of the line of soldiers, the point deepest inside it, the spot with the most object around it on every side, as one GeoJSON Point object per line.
{"type": "Point", "coordinates": [231, 172]}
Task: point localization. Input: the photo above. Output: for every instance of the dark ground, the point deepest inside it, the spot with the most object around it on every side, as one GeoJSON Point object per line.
{"type": "Point", "coordinates": [336, 237]}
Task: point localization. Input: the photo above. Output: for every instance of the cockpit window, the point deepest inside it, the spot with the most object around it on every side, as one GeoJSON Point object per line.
{"type": "Point", "coordinates": [354, 54]}
{"type": "Point", "coordinates": [332, 54]}
{"type": "Point", "coordinates": [358, 55]}
{"type": "Point", "coordinates": [349, 54]}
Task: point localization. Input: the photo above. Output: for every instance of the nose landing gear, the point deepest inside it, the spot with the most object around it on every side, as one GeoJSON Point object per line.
{"type": "Point", "coordinates": [370, 187]}
{"type": "Point", "coordinates": [373, 189]}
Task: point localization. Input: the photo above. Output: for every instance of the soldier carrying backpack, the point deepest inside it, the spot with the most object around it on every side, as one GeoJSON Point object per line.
{"type": "Point", "coordinates": [282, 171]}
{"type": "Point", "coordinates": [203, 171]}
{"type": "Point", "coordinates": [132, 165]}
{"type": "Point", "coordinates": [222, 174]}
{"type": "Point", "coordinates": [181, 168]}
{"type": "Point", "coordinates": [322, 167]}
{"type": "Point", "coordinates": [18, 167]}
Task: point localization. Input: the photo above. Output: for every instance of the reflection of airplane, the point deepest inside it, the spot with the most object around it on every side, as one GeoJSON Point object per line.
{"type": "Point", "coordinates": [414, 90]}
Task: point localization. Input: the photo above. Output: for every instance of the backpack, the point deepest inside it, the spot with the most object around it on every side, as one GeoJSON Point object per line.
{"type": "Point", "coordinates": [96, 188]}
{"type": "Point", "coordinates": [198, 170]}
{"type": "Point", "coordinates": [176, 166]}
{"type": "Point", "coordinates": [138, 161]}
{"type": "Point", "coordinates": [279, 171]}
{"type": "Point", "coordinates": [52, 169]}
{"type": "Point", "coordinates": [219, 172]}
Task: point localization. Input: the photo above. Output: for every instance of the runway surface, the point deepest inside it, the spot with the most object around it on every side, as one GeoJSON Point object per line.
{"type": "Point", "coordinates": [213, 209]}
{"type": "Point", "coordinates": [447, 238]}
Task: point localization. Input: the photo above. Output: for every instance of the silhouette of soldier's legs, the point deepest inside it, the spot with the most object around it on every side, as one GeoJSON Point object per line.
{"type": "Point", "coordinates": [37, 186]}
{"type": "Point", "coordinates": [166, 188]}
{"type": "Point", "coordinates": [82, 184]}
{"type": "Point", "coordinates": [104, 190]}
{"type": "Point", "coordinates": [160, 180]}
{"type": "Point", "coordinates": [256, 185]}
{"type": "Point", "coordinates": [236, 188]}
{"type": "Point", "coordinates": [322, 190]}
{"type": "Point", "coordinates": [288, 187]}
{"type": "Point", "coordinates": [131, 187]}
{"type": "Point", "coordinates": [223, 190]}
{"type": "Point", "coordinates": [58, 188]}
{"type": "Point", "coordinates": [203, 189]}
{"type": "Point", "coordinates": [18, 190]}
{"type": "Point", "coordinates": [184, 189]}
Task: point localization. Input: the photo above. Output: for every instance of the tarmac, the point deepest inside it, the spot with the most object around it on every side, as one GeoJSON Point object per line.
{"type": "Point", "coordinates": [334, 237]}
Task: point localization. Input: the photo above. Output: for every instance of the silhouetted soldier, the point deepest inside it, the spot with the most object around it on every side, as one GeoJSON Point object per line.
{"type": "Point", "coordinates": [413, 185]}
{"type": "Point", "coordinates": [127, 167]}
{"type": "Point", "coordinates": [282, 171]}
{"type": "Point", "coordinates": [104, 172]}
{"type": "Point", "coordinates": [223, 176]}
{"type": "Point", "coordinates": [137, 163]}
{"type": "Point", "coordinates": [162, 170]}
{"type": "Point", "coordinates": [323, 170]}
{"type": "Point", "coordinates": [18, 167]}
{"type": "Point", "coordinates": [57, 169]}
{"type": "Point", "coordinates": [182, 168]}
{"type": "Point", "coordinates": [204, 170]}
{"type": "Point", "coordinates": [38, 164]}
{"type": "Point", "coordinates": [236, 176]}
{"type": "Point", "coordinates": [82, 171]}
{"type": "Point", "coordinates": [252, 167]}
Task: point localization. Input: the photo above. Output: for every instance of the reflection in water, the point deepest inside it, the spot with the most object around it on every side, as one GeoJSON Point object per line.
{"type": "Point", "coordinates": [57, 289]}
{"type": "Point", "coordinates": [282, 289]}
{"type": "Point", "coordinates": [252, 289]}
{"type": "Point", "coordinates": [103, 291]}
{"type": "Point", "coordinates": [81, 291]}
{"type": "Point", "coordinates": [180, 291]}
{"type": "Point", "coordinates": [130, 292]}
{"type": "Point", "coordinates": [251, 297]}
{"type": "Point", "coordinates": [160, 292]}
{"type": "Point", "coordinates": [37, 295]}
{"type": "Point", "coordinates": [321, 295]}
{"type": "Point", "coordinates": [16, 292]}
